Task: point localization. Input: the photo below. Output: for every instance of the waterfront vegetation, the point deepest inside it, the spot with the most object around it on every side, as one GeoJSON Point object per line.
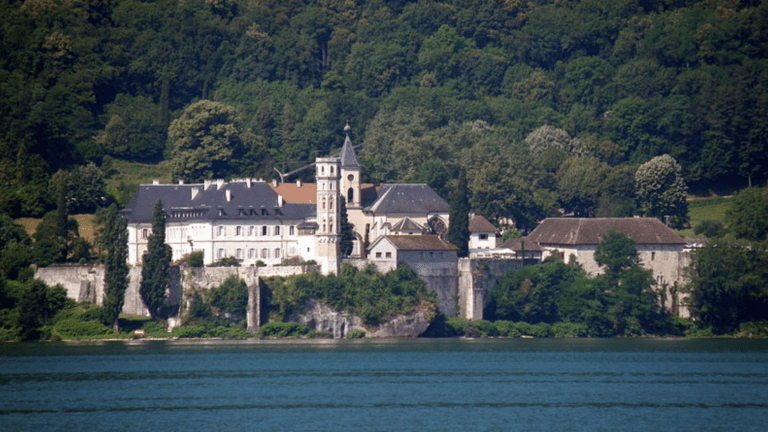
{"type": "Point", "coordinates": [528, 108]}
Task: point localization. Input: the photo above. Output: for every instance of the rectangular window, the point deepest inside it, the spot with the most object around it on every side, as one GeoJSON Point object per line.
{"type": "Point", "coordinates": [239, 231]}
{"type": "Point", "coordinates": [265, 253]}
{"type": "Point", "coordinates": [277, 230]}
{"type": "Point", "coordinates": [264, 230]}
{"type": "Point", "coordinates": [220, 254]}
{"type": "Point", "coordinates": [239, 254]}
{"type": "Point", "coordinates": [250, 231]}
{"type": "Point", "coordinates": [378, 254]}
{"type": "Point", "coordinates": [290, 230]}
{"type": "Point", "coordinates": [220, 231]}
{"type": "Point", "coordinates": [251, 253]}
{"type": "Point", "coordinates": [483, 236]}
{"type": "Point", "coordinates": [389, 254]}
{"type": "Point", "coordinates": [277, 253]}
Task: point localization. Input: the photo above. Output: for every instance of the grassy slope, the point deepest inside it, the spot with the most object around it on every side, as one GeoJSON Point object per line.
{"type": "Point", "coordinates": [700, 209]}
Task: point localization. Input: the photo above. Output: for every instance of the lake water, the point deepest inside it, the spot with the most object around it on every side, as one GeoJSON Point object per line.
{"type": "Point", "coordinates": [386, 385]}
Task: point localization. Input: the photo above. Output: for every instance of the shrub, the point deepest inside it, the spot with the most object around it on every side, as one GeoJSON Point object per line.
{"type": "Point", "coordinates": [753, 329]}
{"type": "Point", "coordinates": [227, 262]}
{"type": "Point", "coordinates": [281, 330]}
{"type": "Point", "coordinates": [507, 328]}
{"type": "Point", "coordinates": [190, 332]}
{"type": "Point", "coordinates": [569, 330]}
{"type": "Point", "coordinates": [73, 328]}
{"type": "Point", "coordinates": [480, 328]}
{"type": "Point", "coordinates": [709, 228]}
{"type": "Point", "coordinates": [196, 259]}
{"type": "Point", "coordinates": [356, 335]}
{"type": "Point", "coordinates": [540, 330]}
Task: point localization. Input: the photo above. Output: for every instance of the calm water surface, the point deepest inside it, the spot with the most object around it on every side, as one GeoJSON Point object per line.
{"type": "Point", "coordinates": [383, 385]}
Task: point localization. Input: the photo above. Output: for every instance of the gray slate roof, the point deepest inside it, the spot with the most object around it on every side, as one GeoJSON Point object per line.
{"type": "Point", "coordinates": [589, 231]}
{"type": "Point", "coordinates": [348, 157]}
{"type": "Point", "coordinates": [407, 225]}
{"type": "Point", "coordinates": [257, 202]}
{"type": "Point", "coordinates": [408, 198]}
{"type": "Point", "coordinates": [419, 242]}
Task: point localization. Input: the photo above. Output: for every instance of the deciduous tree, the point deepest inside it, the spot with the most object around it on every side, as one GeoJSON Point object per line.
{"type": "Point", "coordinates": [661, 190]}
{"type": "Point", "coordinates": [205, 139]}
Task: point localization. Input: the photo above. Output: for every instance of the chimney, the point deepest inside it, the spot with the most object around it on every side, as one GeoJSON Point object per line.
{"type": "Point", "coordinates": [274, 183]}
{"type": "Point", "coordinates": [206, 184]}
{"type": "Point", "coordinates": [298, 183]}
{"type": "Point", "coordinates": [279, 200]}
{"type": "Point", "coordinates": [155, 182]}
{"type": "Point", "coordinates": [219, 183]}
{"type": "Point", "coordinates": [249, 182]}
{"type": "Point", "coordinates": [181, 182]}
{"type": "Point", "coordinates": [195, 192]}
{"type": "Point", "coordinates": [229, 195]}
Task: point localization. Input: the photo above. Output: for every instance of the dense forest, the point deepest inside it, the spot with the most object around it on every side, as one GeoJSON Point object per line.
{"type": "Point", "coordinates": [546, 105]}
{"type": "Point", "coordinates": [540, 107]}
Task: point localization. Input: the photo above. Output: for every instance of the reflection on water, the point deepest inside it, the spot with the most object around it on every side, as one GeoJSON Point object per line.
{"type": "Point", "coordinates": [499, 384]}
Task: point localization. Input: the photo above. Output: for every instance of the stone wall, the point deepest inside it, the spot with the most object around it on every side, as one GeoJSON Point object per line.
{"type": "Point", "coordinates": [477, 278]}
{"type": "Point", "coordinates": [83, 283]}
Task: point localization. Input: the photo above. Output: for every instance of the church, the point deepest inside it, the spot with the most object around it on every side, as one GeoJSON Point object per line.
{"type": "Point", "coordinates": [268, 224]}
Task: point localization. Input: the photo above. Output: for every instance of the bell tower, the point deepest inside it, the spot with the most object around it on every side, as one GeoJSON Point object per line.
{"type": "Point", "coordinates": [328, 215]}
{"type": "Point", "coordinates": [350, 173]}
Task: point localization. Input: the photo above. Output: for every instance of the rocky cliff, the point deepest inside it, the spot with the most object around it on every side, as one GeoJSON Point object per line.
{"type": "Point", "coordinates": [320, 317]}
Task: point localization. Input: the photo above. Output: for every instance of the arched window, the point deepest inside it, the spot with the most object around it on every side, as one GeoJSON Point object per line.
{"type": "Point", "coordinates": [350, 195]}
{"type": "Point", "coordinates": [330, 203]}
{"type": "Point", "coordinates": [251, 253]}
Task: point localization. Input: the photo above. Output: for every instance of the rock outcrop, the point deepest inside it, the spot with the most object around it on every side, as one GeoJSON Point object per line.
{"type": "Point", "coordinates": [320, 317]}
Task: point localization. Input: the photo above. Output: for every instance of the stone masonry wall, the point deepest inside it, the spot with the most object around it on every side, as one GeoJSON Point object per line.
{"type": "Point", "coordinates": [477, 278]}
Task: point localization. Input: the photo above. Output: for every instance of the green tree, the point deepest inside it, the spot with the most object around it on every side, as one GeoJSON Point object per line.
{"type": "Point", "coordinates": [346, 230]}
{"type": "Point", "coordinates": [15, 253]}
{"type": "Point", "coordinates": [661, 190]}
{"type": "Point", "coordinates": [205, 139]}
{"type": "Point", "coordinates": [631, 303]}
{"type": "Point", "coordinates": [155, 273]}
{"type": "Point", "coordinates": [115, 242]}
{"type": "Point", "coordinates": [746, 218]}
{"type": "Point", "coordinates": [37, 306]}
{"type": "Point", "coordinates": [55, 235]}
{"type": "Point", "coordinates": [458, 230]}
{"type": "Point", "coordinates": [728, 284]}
{"type": "Point", "coordinates": [580, 182]}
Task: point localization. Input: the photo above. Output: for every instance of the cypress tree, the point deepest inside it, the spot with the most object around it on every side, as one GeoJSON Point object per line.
{"type": "Point", "coordinates": [156, 270]}
{"type": "Point", "coordinates": [115, 240]}
{"type": "Point", "coordinates": [458, 230]}
{"type": "Point", "coordinates": [347, 230]}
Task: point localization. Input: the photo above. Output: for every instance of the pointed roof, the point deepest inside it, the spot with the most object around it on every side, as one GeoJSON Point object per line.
{"type": "Point", "coordinates": [408, 199]}
{"type": "Point", "coordinates": [416, 243]}
{"type": "Point", "coordinates": [348, 157]}
{"type": "Point", "coordinates": [479, 224]}
{"type": "Point", "coordinates": [407, 225]}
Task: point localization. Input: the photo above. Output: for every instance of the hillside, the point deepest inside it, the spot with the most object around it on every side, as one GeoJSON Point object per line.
{"type": "Point", "coordinates": [545, 105]}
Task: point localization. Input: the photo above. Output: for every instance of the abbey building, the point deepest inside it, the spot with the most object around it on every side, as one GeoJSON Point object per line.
{"type": "Point", "coordinates": [269, 224]}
